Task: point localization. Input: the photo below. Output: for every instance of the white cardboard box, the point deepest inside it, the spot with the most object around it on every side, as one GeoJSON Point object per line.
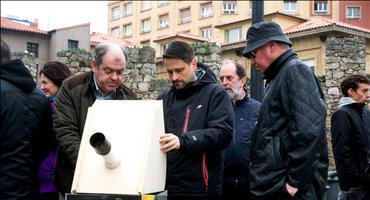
{"type": "Point", "coordinates": [133, 128]}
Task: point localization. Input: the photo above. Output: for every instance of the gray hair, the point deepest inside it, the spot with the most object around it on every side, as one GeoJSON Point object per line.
{"type": "Point", "coordinates": [102, 48]}
{"type": "Point", "coordinates": [240, 70]}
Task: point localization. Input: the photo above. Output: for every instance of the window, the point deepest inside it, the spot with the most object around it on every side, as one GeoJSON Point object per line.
{"type": "Point", "coordinates": [164, 3]}
{"type": "Point", "coordinates": [164, 47]}
{"type": "Point", "coordinates": [33, 48]}
{"type": "Point", "coordinates": [115, 13]}
{"type": "Point", "coordinates": [320, 6]}
{"type": "Point", "coordinates": [229, 7]}
{"type": "Point", "coordinates": [206, 32]}
{"type": "Point", "coordinates": [185, 15]}
{"type": "Point", "coordinates": [163, 21]}
{"type": "Point", "coordinates": [310, 63]}
{"type": "Point", "coordinates": [234, 35]}
{"type": "Point", "coordinates": [72, 44]}
{"type": "Point", "coordinates": [145, 25]}
{"type": "Point", "coordinates": [206, 10]}
{"type": "Point", "coordinates": [127, 9]}
{"type": "Point", "coordinates": [115, 32]}
{"type": "Point", "coordinates": [290, 6]}
{"type": "Point", "coordinates": [146, 5]}
{"type": "Point", "coordinates": [127, 30]}
{"type": "Point", "coordinates": [353, 12]}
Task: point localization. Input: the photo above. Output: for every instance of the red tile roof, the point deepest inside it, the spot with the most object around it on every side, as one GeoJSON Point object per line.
{"type": "Point", "coordinates": [317, 22]}
{"type": "Point", "coordinates": [183, 35]}
{"type": "Point", "coordinates": [269, 14]}
{"type": "Point", "coordinates": [12, 25]}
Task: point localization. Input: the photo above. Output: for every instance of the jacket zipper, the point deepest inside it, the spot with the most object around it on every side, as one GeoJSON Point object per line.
{"type": "Point", "coordinates": [204, 163]}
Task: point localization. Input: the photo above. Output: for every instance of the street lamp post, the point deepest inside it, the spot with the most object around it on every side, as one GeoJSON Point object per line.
{"type": "Point", "coordinates": [256, 82]}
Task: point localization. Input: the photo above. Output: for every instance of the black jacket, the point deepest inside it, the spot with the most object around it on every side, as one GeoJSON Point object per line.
{"type": "Point", "coordinates": [201, 115]}
{"type": "Point", "coordinates": [237, 154]}
{"type": "Point", "coordinates": [289, 143]}
{"type": "Point", "coordinates": [26, 132]}
{"type": "Point", "coordinates": [351, 143]}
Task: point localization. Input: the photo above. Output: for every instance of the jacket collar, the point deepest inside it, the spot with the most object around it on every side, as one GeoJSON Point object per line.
{"type": "Point", "coordinates": [274, 68]}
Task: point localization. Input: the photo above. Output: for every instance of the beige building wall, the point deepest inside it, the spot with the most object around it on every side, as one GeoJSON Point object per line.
{"type": "Point", "coordinates": [310, 47]}
{"type": "Point", "coordinates": [59, 39]}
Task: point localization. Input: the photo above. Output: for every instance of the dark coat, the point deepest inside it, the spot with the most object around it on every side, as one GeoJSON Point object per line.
{"type": "Point", "coordinates": [351, 143]}
{"type": "Point", "coordinates": [75, 96]}
{"type": "Point", "coordinates": [289, 144]}
{"type": "Point", "coordinates": [26, 132]}
{"type": "Point", "coordinates": [201, 115]}
{"type": "Point", "coordinates": [237, 154]}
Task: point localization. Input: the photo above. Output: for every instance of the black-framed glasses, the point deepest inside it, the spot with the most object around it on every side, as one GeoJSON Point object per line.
{"type": "Point", "coordinates": [252, 54]}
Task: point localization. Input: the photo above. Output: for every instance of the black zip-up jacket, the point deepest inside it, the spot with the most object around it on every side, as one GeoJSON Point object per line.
{"type": "Point", "coordinates": [237, 154]}
{"type": "Point", "coordinates": [351, 141]}
{"type": "Point", "coordinates": [26, 132]}
{"type": "Point", "coordinates": [289, 143]}
{"type": "Point", "coordinates": [201, 115]}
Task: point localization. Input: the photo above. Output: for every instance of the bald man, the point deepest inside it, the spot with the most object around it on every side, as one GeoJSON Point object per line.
{"type": "Point", "coordinates": [76, 95]}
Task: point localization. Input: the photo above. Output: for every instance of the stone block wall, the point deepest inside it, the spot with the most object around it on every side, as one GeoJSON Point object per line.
{"type": "Point", "coordinates": [77, 59]}
{"type": "Point", "coordinates": [209, 54]}
{"type": "Point", "coordinates": [345, 55]}
{"type": "Point", "coordinates": [29, 60]}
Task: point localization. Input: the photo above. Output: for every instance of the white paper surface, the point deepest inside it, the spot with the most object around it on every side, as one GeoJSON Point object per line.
{"type": "Point", "coordinates": [133, 128]}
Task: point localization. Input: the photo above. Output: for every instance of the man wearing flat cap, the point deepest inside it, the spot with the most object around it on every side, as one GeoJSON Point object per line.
{"type": "Point", "coordinates": [289, 151]}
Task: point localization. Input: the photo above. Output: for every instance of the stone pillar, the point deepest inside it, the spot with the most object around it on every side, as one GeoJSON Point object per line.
{"type": "Point", "coordinates": [208, 53]}
{"type": "Point", "coordinates": [77, 59]}
{"type": "Point", "coordinates": [139, 73]}
{"type": "Point", "coordinates": [345, 55]}
{"type": "Point", "coordinates": [29, 61]}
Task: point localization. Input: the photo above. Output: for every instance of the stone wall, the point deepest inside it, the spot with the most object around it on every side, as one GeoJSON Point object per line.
{"type": "Point", "coordinates": [77, 59]}
{"type": "Point", "coordinates": [139, 74]}
{"type": "Point", "coordinates": [208, 53]}
{"type": "Point", "coordinates": [345, 55]}
{"type": "Point", "coordinates": [29, 60]}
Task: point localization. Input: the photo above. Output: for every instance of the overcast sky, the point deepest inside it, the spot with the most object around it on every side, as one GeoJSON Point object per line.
{"type": "Point", "coordinates": [57, 14]}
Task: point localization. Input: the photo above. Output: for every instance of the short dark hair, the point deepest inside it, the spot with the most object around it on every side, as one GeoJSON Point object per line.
{"type": "Point", "coordinates": [56, 72]}
{"type": "Point", "coordinates": [5, 52]}
{"type": "Point", "coordinates": [180, 50]}
{"type": "Point", "coordinates": [102, 48]}
{"type": "Point", "coordinates": [353, 82]}
{"type": "Point", "coordinates": [240, 70]}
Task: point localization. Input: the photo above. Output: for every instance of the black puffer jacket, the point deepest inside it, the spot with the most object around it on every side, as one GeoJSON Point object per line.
{"type": "Point", "coordinates": [26, 130]}
{"type": "Point", "coordinates": [351, 143]}
{"type": "Point", "coordinates": [201, 115]}
{"type": "Point", "coordinates": [289, 143]}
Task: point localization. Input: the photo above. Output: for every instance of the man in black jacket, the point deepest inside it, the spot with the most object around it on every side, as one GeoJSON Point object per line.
{"type": "Point", "coordinates": [236, 183]}
{"type": "Point", "coordinates": [26, 129]}
{"type": "Point", "coordinates": [289, 151]}
{"type": "Point", "coordinates": [351, 138]}
{"type": "Point", "coordinates": [199, 119]}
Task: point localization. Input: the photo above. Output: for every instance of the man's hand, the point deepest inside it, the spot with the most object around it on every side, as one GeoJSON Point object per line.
{"type": "Point", "coordinates": [169, 142]}
{"type": "Point", "coordinates": [291, 190]}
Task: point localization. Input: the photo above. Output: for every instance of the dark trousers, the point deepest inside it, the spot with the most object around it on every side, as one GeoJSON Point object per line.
{"type": "Point", "coordinates": [49, 196]}
{"type": "Point", "coordinates": [191, 197]}
{"type": "Point", "coordinates": [235, 190]}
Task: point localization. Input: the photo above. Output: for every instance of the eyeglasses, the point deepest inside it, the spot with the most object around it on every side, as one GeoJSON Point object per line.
{"type": "Point", "coordinates": [252, 54]}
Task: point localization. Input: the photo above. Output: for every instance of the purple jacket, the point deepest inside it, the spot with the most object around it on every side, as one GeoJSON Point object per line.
{"type": "Point", "coordinates": [47, 166]}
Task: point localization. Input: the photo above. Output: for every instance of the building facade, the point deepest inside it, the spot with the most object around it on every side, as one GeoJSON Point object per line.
{"type": "Point", "coordinates": [43, 44]}
{"type": "Point", "coordinates": [142, 22]}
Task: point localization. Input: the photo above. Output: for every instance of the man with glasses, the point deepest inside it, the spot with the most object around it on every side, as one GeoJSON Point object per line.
{"type": "Point", "coordinates": [289, 150]}
{"type": "Point", "coordinates": [76, 95]}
